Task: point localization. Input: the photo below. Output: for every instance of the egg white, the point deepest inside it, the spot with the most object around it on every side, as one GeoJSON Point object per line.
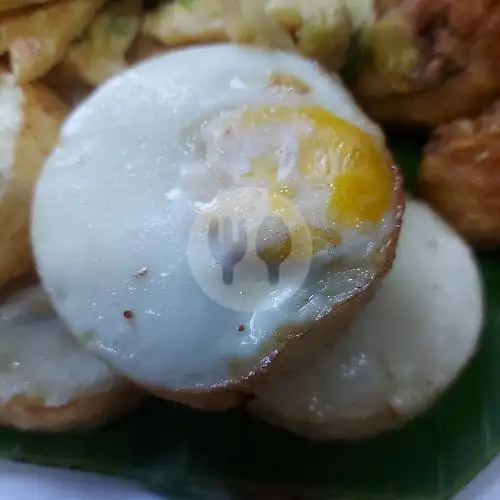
{"type": "Point", "coordinates": [117, 199]}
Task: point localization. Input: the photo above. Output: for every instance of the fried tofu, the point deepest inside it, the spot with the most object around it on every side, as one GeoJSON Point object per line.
{"type": "Point", "coordinates": [428, 62]}
{"type": "Point", "coordinates": [460, 176]}
{"type": "Point", "coordinates": [67, 83]}
{"type": "Point", "coordinates": [144, 47]}
{"type": "Point", "coordinates": [37, 38]}
{"type": "Point", "coordinates": [6, 5]}
{"type": "Point", "coordinates": [321, 28]}
{"type": "Point", "coordinates": [100, 52]}
{"type": "Point", "coordinates": [30, 120]}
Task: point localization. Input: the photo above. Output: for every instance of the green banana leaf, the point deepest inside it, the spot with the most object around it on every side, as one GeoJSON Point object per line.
{"type": "Point", "coordinates": [177, 451]}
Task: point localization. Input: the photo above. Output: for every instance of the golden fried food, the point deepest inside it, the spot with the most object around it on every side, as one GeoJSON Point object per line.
{"type": "Point", "coordinates": [4, 46]}
{"type": "Point", "coordinates": [321, 28]}
{"type": "Point", "coordinates": [30, 119]}
{"type": "Point", "coordinates": [29, 414]}
{"type": "Point", "coordinates": [324, 32]}
{"type": "Point", "coordinates": [37, 38]}
{"type": "Point", "coordinates": [460, 176]}
{"type": "Point", "coordinates": [427, 61]}
{"type": "Point", "coordinates": [249, 23]}
{"type": "Point", "coordinates": [100, 52]}
{"type": "Point", "coordinates": [17, 4]}
{"type": "Point", "coordinates": [181, 23]}
{"type": "Point", "coordinates": [67, 83]}
{"type": "Point", "coordinates": [143, 48]}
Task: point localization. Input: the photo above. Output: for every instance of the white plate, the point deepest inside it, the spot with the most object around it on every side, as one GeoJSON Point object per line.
{"type": "Point", "coordinates": [29, 482]}
{"type": "Point", "coordinates": [486, 486]}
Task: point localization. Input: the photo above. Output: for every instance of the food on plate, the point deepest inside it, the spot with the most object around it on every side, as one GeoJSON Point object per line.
{"type": "Point", "coordinates": [324, 32]}
{"type": "Point", "coordinates": [427, 61]}
{"type": "Point", "coordinates": [413, 61]}
{"type": "Point", "coordinates": [47, 380]}
{"type": "Point", "coordinates": [460, 176]}
{"type": "Point", "coordinates": [400, 353]}
{"type": "Point", "coordinates": [321, 28]}
{"type": "Point", "coordinates": [135, 236]}
{"type": "Point", "coordinates": [6, 5]}
{"type": "Point", "coordinates": [144, 47]}
{"type": "Point", "coordinates": [67, 83]}
{"type": "Point", "coordinates": [38, 37]}
{"type": "Point", "coordinates": [100, 51]}
{"type": "Point", "coordinates": [30, 120]}
{"type": "Point", "coordinates": [249, 23]}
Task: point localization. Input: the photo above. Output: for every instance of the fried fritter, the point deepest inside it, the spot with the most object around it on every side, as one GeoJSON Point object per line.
{"type": "Point", "coordinates": [321, 29]}
{"type": "Point", "coordinates": [427, 61]}
{"type": "Point", "coordinates": [143, 48]}
{"type": "Point", "coordinates": [100, 52]}
{"type": "Point", "coordinates": [460, 176]}
{"type": "Point", "coordinates": [37, 38]}
{"type": "Point", "coordinates": [17, 4]}
{"type": "Point", "coordinates": [30, 120]}
{"type": "Point", "coordinates": [67, 83]}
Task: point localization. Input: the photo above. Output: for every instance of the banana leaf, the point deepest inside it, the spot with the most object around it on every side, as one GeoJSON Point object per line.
{"type": "Point", "coordinates": [184, 454]}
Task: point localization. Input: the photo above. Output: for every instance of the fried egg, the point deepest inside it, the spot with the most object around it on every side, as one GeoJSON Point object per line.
{"type": "Point", "coordinates": [47, 380]}
{"type": "Point", "coordinates": [211, 208]}
{"type": "Point", "coordinates": [406, 347]}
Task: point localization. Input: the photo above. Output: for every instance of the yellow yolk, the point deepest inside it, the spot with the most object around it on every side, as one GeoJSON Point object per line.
{"type": "Point", "coordinates": [335, 155]}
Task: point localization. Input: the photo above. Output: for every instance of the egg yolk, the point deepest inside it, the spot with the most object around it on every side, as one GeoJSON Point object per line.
{"type": "Point", "coordinates": [333, 155]}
